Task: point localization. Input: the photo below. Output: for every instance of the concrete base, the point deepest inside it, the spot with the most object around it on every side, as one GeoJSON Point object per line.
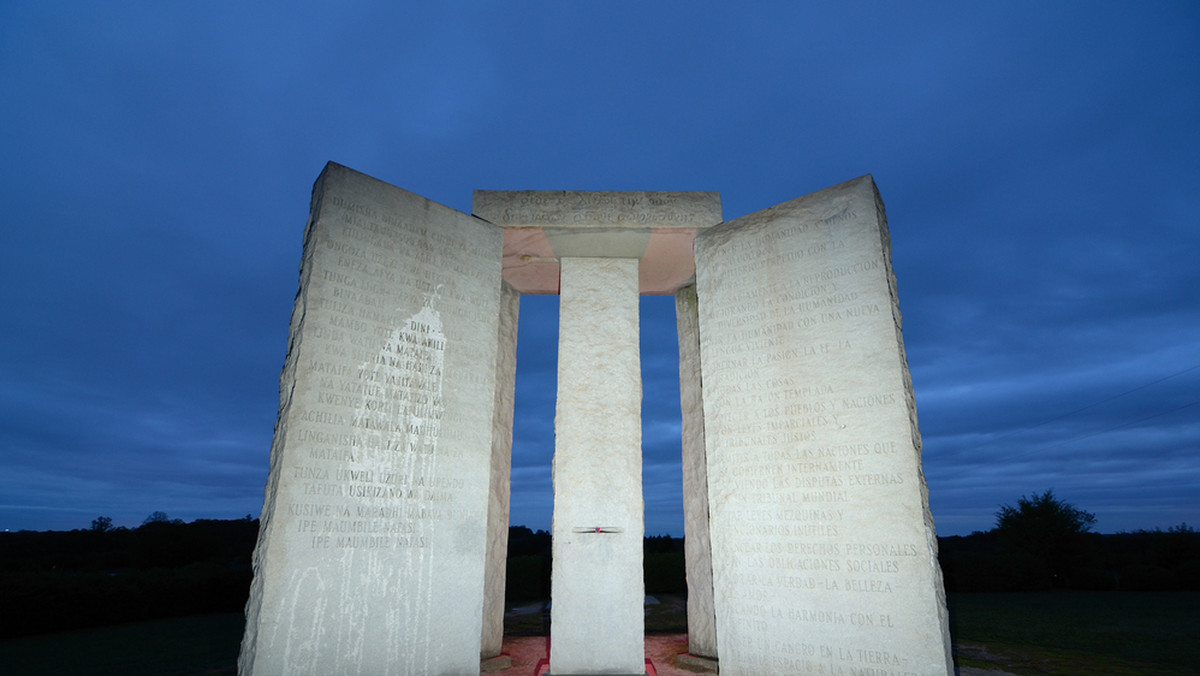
{"type": "Point", "coordinates": [543, 669]}
{"type": "Point", "coordinates": [493, 664]}
{"type": "Point", "coordinates": [698, 664]}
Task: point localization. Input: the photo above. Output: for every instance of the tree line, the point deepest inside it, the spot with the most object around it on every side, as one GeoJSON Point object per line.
{"type": "Point", "coordinates": [60, 580]}
{"type": "Point", "coordinates": [57, 580]}
{"type": "Point", "coordinates": [1044, 543]}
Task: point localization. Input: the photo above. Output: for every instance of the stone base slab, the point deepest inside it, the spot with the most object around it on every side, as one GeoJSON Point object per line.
{"type": "Point", "coordinates": [496, 663]}
{"type": "Point", "coordinates": [543, 669]}
{"type": "Point", "coordinates": [698, 664]}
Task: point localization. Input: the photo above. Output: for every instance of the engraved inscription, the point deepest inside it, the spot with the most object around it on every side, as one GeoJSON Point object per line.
{"type": "Point", "coordinates": [370, 430]}
{"type": "Point", "coordinates": [803, 440]}
{"type": "Point", "coordinates": [617, 209]}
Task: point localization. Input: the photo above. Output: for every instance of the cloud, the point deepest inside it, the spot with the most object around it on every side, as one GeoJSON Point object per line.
{"type": "Point", "coordinates": [1037, 165]}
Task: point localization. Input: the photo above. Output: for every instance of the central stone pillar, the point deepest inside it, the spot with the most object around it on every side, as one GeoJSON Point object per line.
{"type": "Point", "coordinates": [597, 586]}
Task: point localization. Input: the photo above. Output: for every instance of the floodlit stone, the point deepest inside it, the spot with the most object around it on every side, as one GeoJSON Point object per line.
{"type": "Point", "coordinates": [810, 547]}
{"type": "Point", "coordinates": [823, 550]}
{"type": "Point", "coordinates": [371, 546]}
{"type": "Point", "coordinates": [701, 617]}
{"type": "Point", "coordinates": [543, 226]}
{"type": "Point", "coordinates": [596, 617]}
{"type": "Point", "coordinates": [496, 568]}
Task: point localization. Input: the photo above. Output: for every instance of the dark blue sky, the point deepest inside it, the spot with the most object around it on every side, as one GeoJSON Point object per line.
{"type": "Point", "coordinates": [1040, 163]}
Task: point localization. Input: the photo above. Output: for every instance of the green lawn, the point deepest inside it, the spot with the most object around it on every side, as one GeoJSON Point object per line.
{"type": "Point", "coordinates": [183, 646]}
{"type": "Point", "coordinates": [1065, 632]}
{"type": "Point", "coordinates": [1049, 633]}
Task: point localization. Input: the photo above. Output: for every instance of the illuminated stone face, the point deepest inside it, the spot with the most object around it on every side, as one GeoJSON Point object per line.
{"type": "Point", "coordinates": [543, 226]}
{"type": "Point", "coordinates": [810, 548]}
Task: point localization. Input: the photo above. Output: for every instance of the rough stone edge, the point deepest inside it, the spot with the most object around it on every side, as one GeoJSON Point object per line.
{"type": "Point", "coordinates": [495, 572]}
{"type": "Point", "coordinates": [287, 386]}
{"type": "Point", "coordinates": [701, 612]}
{"type": "Point", "coordinates": [702, 207]}
{"type": "Point", "coordinates": [698, 664]}
{"type": "Point", "coordinates": [937, 581]}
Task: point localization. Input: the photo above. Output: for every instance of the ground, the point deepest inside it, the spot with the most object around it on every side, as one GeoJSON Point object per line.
{"type": "Point", "coordinates": [528, 647]}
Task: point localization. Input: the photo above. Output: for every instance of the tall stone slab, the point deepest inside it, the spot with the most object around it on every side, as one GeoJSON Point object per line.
{"type": "Point", "coordinates": [495, 571]}
{"type": "Point", "coordinates": [370, 557]}
{"type": "Point", "coordinates": [600, 250]}
{"type": "Point", "coordinates": [702, 628]}
{"type": "Point", "coordinates": [824, 556]}
{"type": "Point", "coordinates": [597, 590]}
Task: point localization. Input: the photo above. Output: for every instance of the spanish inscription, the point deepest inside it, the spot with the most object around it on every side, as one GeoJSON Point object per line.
{"type": "Point", "coordinates": [807, 425]}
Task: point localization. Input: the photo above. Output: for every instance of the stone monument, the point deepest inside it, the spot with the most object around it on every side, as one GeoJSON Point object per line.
{"type": "Point", "coordinates": [823, 551]}
{"type": "Point", "coordinates": [810, 548]}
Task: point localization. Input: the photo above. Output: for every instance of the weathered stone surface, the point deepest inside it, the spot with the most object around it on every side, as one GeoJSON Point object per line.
{"type": "Point", "coordinates": [495, 568]}
{"type": "Point", "coordinates": [383, 534]}
{"type": "Point", "coordinates": [542, 226]}
{"type": "Point", "coordinates": [702, 628]}
{"type": "Point", "coordinates": [371, 546]}
{"type": "Point", "coordinates": [824, 557]}
{"type": "Point", "coordinates": [697, 663]}
{"type": "Point", "coordinates": [596, 624]}
{"type": "Point", "coordinates": [491, 665]}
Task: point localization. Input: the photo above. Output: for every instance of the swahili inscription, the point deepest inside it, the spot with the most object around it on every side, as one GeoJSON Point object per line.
{"type": "Point", "coordinates": [397, 418]}
{"type": "Point", "coordinates": [376, 505]}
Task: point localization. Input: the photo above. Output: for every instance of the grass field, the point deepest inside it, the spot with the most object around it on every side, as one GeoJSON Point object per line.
{"type": "Point", "coordinates": [182, 646]}
{"type": "Point", "coordinates": [1102, 633]}
{"type": "Point", "coordinates": [1050, 633]}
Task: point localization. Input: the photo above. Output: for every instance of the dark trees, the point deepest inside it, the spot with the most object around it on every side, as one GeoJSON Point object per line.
{"type": "Point", "coordinates": [1049, 531]}
{"type": "Point", "coordinates": [57, 580]}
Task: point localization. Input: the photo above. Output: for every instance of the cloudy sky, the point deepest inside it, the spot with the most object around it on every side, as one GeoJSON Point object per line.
{"type": "Point", "coordinates": [1040, 163]}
